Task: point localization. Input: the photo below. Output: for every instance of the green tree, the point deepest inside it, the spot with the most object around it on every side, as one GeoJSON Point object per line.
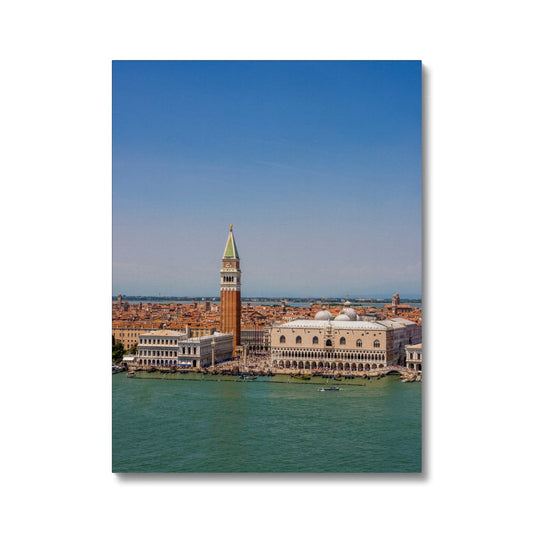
{"type": "Point", "coordinates": [118, 352]}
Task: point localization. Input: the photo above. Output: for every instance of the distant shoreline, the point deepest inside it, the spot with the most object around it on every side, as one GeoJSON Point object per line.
{"type": "Point", "coordinates": [359, 302]}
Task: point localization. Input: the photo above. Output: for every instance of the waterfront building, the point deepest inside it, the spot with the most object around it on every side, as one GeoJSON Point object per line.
{"type": "Point", "coordinates": [128, 337]}
{"type": "Point", "coordinates": [342, 343]}
{"type": "Point", "coordinates": [230, 291]}
{"type": "Point", "coordinates": [413, 357]}
{"type": "Point", "coordinates": [254, 340]}
{"type": "Point", "coordinates": [175, 348]}
{"type": "Point", "coordinates": [404, 332]}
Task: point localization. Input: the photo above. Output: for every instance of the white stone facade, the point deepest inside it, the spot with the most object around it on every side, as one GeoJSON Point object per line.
{"type": "Point", "coordinates": [173, 348]}
{"type": "Point", "coordinates": [413, 357]}
{"type": "Point", "coordinates": [404, 332]}
{"type": "Point", "coordinates": [340, 345]}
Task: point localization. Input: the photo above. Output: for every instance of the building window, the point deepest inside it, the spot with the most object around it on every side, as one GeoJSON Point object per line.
{"type": "Point", "coordinates": [376, 344]}
{"type": "Point", "coordinates": [359, 343]}
{"type": "Point", "coordinates": [342, 340]}
{"type": "Point", "coordinates": [298, 340]}
{"type": "Point", "coordinates": [315, 340]}
{"type": "Point", "coordinates": [328, 342]}
{"type": "Point", "coordinates": [282, 339]}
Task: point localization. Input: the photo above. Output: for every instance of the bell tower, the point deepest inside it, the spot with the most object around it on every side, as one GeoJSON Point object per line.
{"type": "Point", "coordinates": [230, 291]}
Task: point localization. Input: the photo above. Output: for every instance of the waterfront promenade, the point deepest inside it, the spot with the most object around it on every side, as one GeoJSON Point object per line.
{"type": "Point", "coordinates": [259, 365]}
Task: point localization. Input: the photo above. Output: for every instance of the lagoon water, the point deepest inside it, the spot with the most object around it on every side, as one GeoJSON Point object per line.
{"type": "Point", "coordinates": [189, 423]}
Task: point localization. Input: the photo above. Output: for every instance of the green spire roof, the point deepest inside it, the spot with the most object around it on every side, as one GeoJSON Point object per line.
{"type": "Point", "coordinates": [231, 248]}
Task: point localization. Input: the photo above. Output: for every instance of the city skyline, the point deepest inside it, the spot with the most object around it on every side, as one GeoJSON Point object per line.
{"type": "Point", "coordinates": [316, 164]}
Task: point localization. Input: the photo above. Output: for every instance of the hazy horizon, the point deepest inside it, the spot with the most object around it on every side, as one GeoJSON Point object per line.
{"type": "Point", "coordinates": [274, 297]}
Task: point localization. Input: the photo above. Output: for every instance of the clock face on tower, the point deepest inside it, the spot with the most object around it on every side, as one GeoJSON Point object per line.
{"type": "Point", "coordinates": [228, 265]}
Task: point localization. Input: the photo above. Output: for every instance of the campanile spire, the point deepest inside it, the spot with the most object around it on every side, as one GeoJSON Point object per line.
{"type": "Point", "coordinates": [230, 291]}
{"type": "Point", "coordinates": [230, 252]}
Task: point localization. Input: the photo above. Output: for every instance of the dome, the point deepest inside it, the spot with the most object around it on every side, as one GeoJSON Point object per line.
{"type": "Point", "coordinates": [343, 318]}
{"type": "Point", "coordinates": [350, 313]}
{"type": "Point", "coordinates": [324, 314]}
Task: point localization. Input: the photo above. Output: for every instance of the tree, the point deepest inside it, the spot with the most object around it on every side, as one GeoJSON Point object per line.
{"type": "Point", "coordinates": [118, 352]}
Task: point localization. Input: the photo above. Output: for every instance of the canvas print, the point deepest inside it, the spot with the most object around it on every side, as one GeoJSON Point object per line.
{"type": "Point", "coordinates": [267, 266]}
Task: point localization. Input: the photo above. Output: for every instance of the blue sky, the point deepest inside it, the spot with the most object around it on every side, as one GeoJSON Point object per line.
{"type": "Point", "coordinates": [316, 164]}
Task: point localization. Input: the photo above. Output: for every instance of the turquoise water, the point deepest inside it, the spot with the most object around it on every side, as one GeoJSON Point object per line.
{"type": "Point", "coordinates": [267, 425]}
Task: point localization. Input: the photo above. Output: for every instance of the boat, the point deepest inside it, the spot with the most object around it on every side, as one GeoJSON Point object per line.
{"type": "Point", "coordinates": [116, 369]}
{"type": "Point", "coordinates": [248, 378]}
{"type": "Point", "coordinates": [131, 373]}
{"type": "Point", "coordinates": [324, 389]}
{"type": "Point", "coordinates": [184, 371]}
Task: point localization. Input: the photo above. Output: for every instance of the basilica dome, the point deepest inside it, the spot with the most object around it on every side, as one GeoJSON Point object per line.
{"type": "Point", "coordinates": [343, 318]}
{"type": "Point", "coordinates": [348, 311]}
{"type": "Point", "coordinates": [324, 314]}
